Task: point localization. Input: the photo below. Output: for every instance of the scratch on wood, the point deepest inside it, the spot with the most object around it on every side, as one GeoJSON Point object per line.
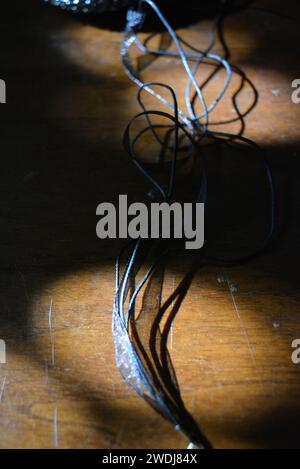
{"type": "Point", "coordinates": [52, 334]}
{"type": "Point", "coordinates": [46, 371]}
{"type": "Point", "coordinates": [172, 326]}
{"type": "Point", "coordinates": [232, 289]}
{"type": "Point", "coordinates": [192, 403]}
{"type": "Point", "coordinates": [55, 427]}
{"type": "Point", "coordinates": [221, 279]}
{"type": "Point", "coordinates": [2, 388]}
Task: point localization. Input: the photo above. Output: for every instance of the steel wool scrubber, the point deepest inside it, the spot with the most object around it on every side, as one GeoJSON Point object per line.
{"type": "Point", "coordinates": [89, 6]}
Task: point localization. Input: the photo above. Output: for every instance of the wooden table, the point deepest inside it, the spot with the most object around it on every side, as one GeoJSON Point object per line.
{"type": "Point", "coordinates": [68, 102]}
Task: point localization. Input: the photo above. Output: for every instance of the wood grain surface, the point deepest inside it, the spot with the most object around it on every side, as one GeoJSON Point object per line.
{"type": "Point", "coordinates": [68, 102]}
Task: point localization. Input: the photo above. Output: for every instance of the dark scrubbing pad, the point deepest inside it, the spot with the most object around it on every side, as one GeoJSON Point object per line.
{"type": "Point", "coordinates": [90, 6]}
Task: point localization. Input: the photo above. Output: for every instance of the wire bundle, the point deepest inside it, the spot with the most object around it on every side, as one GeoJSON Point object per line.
{"type": "Point", "coordinates": [140, 340]}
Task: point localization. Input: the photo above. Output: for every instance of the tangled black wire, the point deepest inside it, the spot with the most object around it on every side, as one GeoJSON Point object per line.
{"type": "Point", "coordinates": [140, 344]}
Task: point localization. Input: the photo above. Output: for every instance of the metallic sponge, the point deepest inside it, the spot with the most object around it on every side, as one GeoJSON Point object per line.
{"type": "Point", "coordinates": [89, 6]}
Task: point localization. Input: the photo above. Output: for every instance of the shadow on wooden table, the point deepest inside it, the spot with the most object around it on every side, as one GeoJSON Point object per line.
{"type": "Point", "coordinates": [61, 156]}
